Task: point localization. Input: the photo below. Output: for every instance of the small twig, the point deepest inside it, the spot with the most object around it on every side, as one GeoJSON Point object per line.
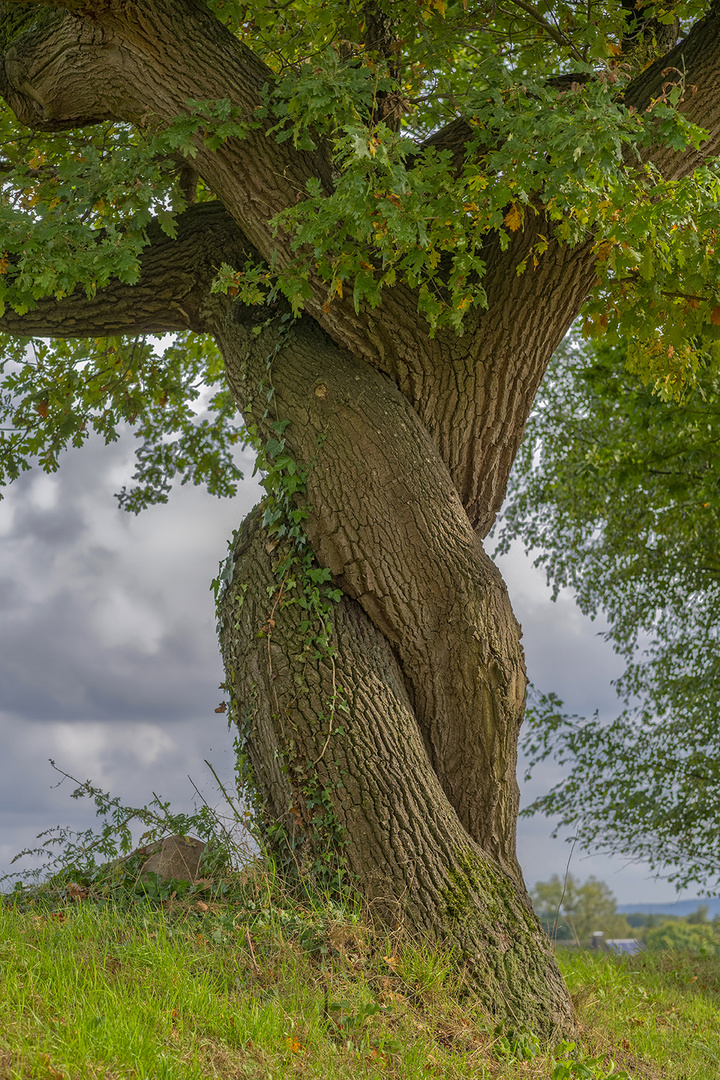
{"type": "Point", "coordinates": [332, 713]}
{"type": "Point", "coordinates": [256, 967]}
{"type": "Point", "coordinates": [555, 34]}
{"type": "Point", "coordinates": [562, 894]}
{"type": "Point", "coordinates": [228, 798]}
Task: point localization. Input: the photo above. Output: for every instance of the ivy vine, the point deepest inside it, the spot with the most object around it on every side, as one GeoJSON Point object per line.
{"type": "Point", "coordinates": [300, 582]}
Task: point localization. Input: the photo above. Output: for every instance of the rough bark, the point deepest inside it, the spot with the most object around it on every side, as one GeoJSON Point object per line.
{"type": "Point", "coordinates": [408, 442]}
{"type": "Point", "coordinates": [172, 293]}
{"type": "Point", "coordinates": [386, 519]}
{"type": "Point", "coordinates": [365, 781]}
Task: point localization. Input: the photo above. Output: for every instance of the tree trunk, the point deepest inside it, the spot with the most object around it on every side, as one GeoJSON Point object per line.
{"type": "Point", "coordinates": [392, 753]}
{"type": "Point", "coordinates": [392, 750]}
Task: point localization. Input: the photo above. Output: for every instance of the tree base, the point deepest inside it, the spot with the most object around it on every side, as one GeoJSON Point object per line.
{"type": "Point", "coordinates": [344, 782]}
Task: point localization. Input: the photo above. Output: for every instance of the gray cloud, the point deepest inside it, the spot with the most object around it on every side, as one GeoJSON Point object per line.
{"type": "Point", "coordinates": [109, 660]}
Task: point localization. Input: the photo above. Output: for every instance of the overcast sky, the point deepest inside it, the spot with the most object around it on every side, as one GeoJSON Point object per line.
{"type": "Point", "coordinates": [109, 662]}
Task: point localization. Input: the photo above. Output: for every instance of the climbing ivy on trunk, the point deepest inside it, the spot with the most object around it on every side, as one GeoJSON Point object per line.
{"type": "Point", "coordinates": [368, 226]}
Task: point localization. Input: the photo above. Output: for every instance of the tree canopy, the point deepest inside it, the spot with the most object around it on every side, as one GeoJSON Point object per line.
{"type": "Point", "coordinates": [376, 222]}
{"type": "Point", "coordinates": [618, 492]}
{"type": "Point", "coordinates": [430, 117]}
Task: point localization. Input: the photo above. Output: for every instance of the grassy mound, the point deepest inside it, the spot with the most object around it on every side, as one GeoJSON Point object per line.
{"type": "Point", "coordinates": [234, 978]}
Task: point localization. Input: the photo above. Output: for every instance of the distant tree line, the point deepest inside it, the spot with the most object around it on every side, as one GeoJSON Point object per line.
{"type": "Point", "coordinates": [571, 911]}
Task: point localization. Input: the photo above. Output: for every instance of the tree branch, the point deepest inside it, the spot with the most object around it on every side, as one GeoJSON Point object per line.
{"type": "Point", "coordinates": [552, 31]}
{"type": "Point", "coordinates": [79, 7]}
{"type": "Point", "coordinates": [695, 61]}
{"type": "Point", "coordinates": [61, 71]}
{"type": "Point", "coordinates": [142, 61]}
{"type": "Point", "coordinates": [172, 294]}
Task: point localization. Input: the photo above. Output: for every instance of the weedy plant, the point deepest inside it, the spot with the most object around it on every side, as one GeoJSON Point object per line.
{"type": "Point", "coordinates": [240, 974]}
{"type": "Point", "coordinates": [106, 860]}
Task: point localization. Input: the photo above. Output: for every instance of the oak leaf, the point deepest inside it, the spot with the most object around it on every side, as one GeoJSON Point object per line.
{"type": "Point", "coordinates": [513, 218]}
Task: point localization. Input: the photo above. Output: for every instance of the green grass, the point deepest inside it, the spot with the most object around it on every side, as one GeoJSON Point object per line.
{"type": "Point", "coordinates": [267, 987]}
{"type": "Point", "coordinates": [658, 1013]}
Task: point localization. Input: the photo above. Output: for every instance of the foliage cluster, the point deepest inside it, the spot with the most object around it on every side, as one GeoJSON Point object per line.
{"type": "Point", "coordinates": [698, 939]}
{"type": "Point", "coordinates": [74, 214]}
{"type": "Point", "coordinates": [58, 393]}
{"type": "Point", "coordinates": [105, 861]}
{"type": "Point", "coordinates": [618, 495]}
{"type": "Point", "coordinates": [544, 155]}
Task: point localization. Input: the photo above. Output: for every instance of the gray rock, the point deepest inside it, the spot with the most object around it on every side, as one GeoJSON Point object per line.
{"type": "Point", "coordinates": [176, 857]}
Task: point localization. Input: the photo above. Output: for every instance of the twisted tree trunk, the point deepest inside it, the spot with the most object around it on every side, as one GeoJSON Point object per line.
{"type": "Point", "coordinates": [395, 751]}
{"type": "Point", "coordinates": [392, 751]}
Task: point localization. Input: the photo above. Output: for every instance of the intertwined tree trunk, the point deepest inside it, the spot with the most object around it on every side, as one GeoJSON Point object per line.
{"type": "Point", "coordinates": [399, 744]}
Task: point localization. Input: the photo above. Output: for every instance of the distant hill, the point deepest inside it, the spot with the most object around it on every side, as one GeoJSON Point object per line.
{"type": "Point", "coordinates": [682, 908]}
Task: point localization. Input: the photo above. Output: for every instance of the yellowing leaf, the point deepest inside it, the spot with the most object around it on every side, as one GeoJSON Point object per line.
{"type": "Point", "coordinates": [715, 316]}
{"type": "Point", "coordinates": [513, 218]}
{"type": "Point", "coordinates": [433, 258]}
{"type": "Point", "coordinates": [440, 6]}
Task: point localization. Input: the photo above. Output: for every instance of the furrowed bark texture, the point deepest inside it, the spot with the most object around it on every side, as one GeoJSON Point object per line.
{"type": "Point", "coordinates": [387, 521]}
{"type": "Point", "coordinates": [172, 294]}
{"type": "Point", "coordinates": [416, 864]}
{"type": "Point", "coordinates": [401, 744]}
{"type": "Point", "coordinates": [410, 729]}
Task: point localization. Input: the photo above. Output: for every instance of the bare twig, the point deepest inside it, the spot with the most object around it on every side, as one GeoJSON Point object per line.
{"type": "Point", "coordinates": [548, 27]}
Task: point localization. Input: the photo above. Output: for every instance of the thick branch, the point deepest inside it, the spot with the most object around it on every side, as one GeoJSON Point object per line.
{"type": "Point", "coordinates": [59, 70]}
{"type": "Point", "coordinates": [172, 294]}
{"type": "Point", "coordinates": [79, 7]}
{"type": "Point", "coordinates": [474, 393]}
{"type": "Point", "coordinates": [697, 61]}
{"type": "Point", "coordinates": [142, 62]}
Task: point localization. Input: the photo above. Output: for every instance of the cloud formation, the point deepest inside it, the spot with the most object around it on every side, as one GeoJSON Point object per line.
{"type": "Point", "coordinates": [109, 662]}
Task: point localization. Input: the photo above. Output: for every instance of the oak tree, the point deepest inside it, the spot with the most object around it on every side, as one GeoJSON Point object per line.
{"type": "Point", "coordinates": [369, 225]}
